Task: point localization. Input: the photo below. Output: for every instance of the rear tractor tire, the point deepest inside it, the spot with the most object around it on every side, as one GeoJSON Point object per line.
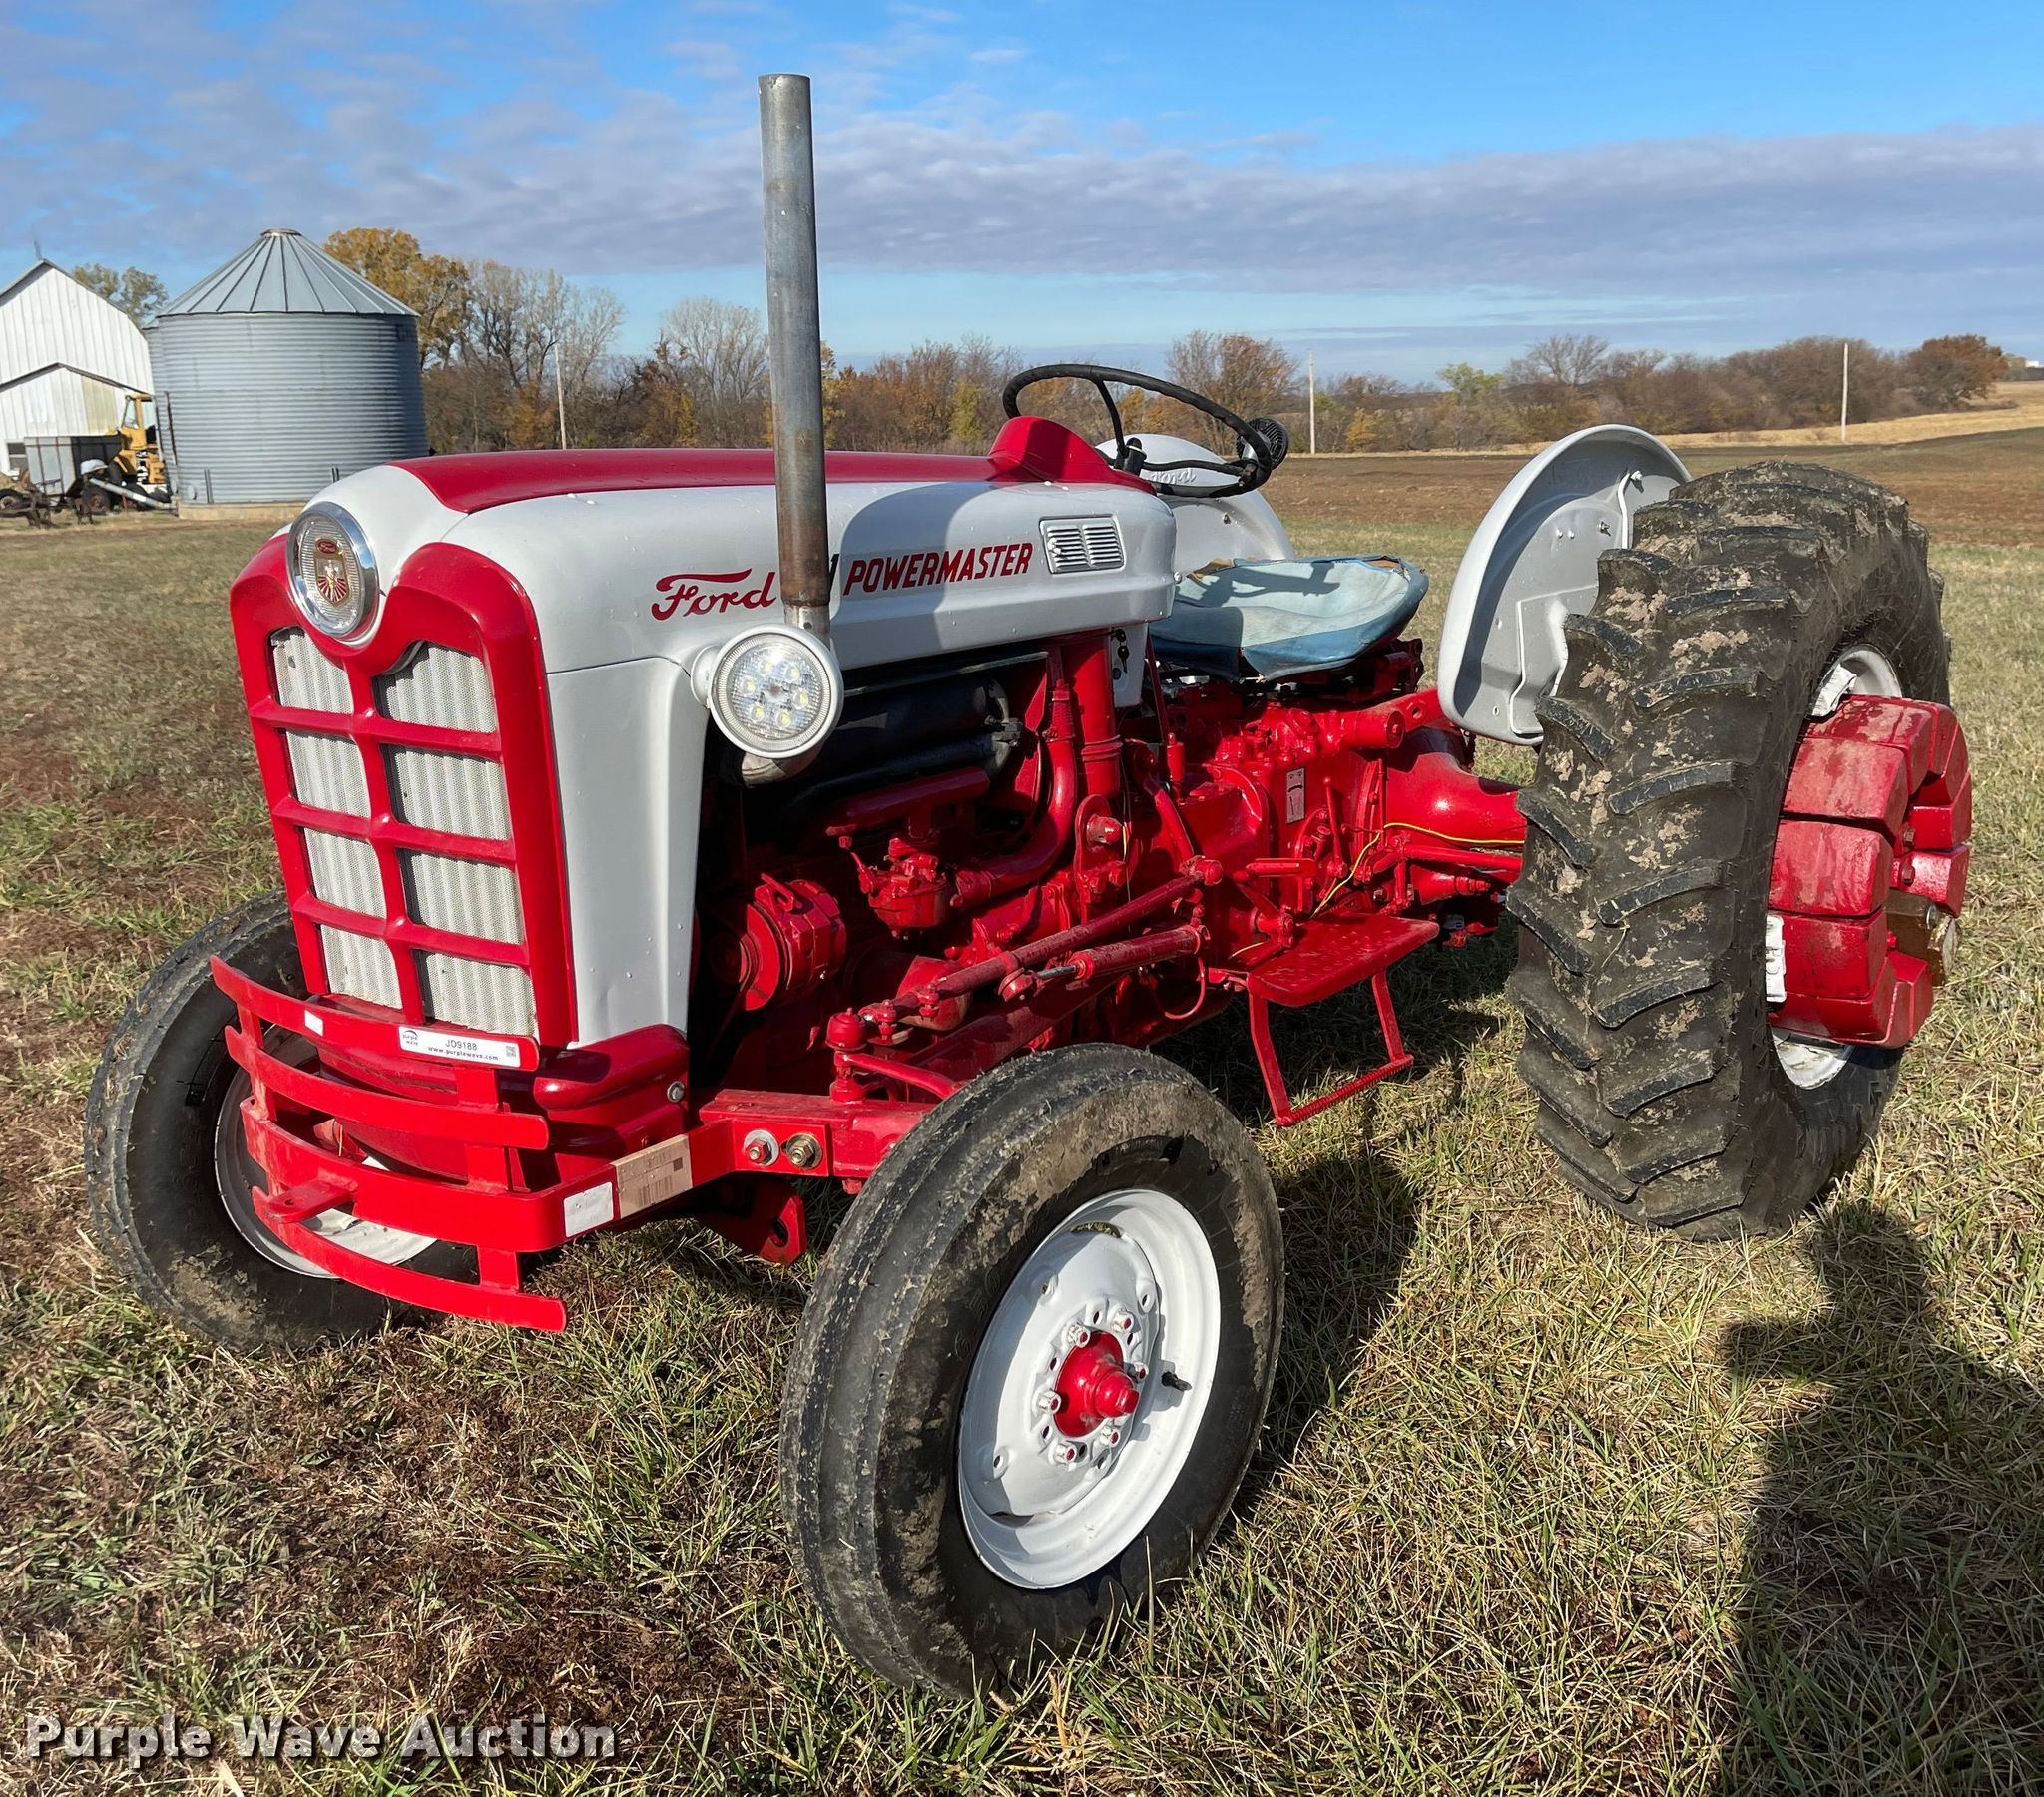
{"type": "Point", "coordinates": [1034, 1366]}
{"type": "Point", "coordinates": [1749, 601]}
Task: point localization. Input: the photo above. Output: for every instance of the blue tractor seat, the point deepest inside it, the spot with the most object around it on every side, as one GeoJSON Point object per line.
{"type": "Point", "coordinates": [1273, 619]}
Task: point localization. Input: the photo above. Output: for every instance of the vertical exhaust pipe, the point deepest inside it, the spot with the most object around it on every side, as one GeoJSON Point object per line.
{"type": "Point", "coordinates": [794, 349]}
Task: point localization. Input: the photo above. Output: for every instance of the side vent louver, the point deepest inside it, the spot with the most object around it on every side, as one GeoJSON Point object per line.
{"type": "Point", "coordinates": [1083, 545]}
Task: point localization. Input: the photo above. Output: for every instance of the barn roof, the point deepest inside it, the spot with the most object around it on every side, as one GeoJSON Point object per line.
{"type": "Point", "coordinates": [22, 280]}
{"type": "Point", "coordinates": [282, 273]}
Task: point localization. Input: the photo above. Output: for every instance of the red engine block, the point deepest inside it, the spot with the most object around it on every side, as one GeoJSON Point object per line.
{"type": "Point", "coordinates": [1221, 840]}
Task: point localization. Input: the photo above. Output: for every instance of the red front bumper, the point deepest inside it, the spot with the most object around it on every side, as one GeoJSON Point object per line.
{"type": "Point", "coordinates": [522, 1157]}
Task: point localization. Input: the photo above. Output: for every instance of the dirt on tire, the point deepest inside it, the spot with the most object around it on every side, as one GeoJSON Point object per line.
{"type": "Point", "coordinates": [1650, 834]}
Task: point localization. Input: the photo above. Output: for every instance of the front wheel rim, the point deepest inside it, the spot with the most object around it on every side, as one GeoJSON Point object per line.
{"type": "Point", "coordinates": [1055, 1477]}
{"type": "Point", "coordinates": [236, 1176]}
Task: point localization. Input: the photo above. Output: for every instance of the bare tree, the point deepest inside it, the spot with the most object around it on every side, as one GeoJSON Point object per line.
{"type": "Point", "coordinates": [497, 389]}
{"type": "Point", "coordinates": [1250, 376]}
{"type": "Point", "coordinates": [723, 352]}
{"type": "Point", "coordinates": [1566, 361]}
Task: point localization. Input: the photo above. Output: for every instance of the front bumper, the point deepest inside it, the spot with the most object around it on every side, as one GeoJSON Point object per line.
{"type": "Point", "coordinates": [480, 1144]}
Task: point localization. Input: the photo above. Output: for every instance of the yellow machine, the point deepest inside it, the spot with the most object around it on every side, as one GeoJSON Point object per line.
{"type": "Point", "coordinates": [140, 462]}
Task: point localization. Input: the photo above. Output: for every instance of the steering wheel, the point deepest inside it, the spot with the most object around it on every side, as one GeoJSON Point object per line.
{"type": "Point", "coordinates": [1261, 443]}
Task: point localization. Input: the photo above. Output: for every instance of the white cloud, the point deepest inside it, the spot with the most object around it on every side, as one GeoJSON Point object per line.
{"type": "Point", "coordinates": [559, 164]}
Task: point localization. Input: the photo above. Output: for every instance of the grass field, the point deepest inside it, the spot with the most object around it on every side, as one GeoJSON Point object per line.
{"type": "Point", "coordinates": [1544, 1506]}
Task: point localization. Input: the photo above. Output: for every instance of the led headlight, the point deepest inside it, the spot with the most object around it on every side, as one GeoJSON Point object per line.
{"type": "Point", "coordinates": [774, 691]}
{"type": "Point", "coordinates": [333, 571]}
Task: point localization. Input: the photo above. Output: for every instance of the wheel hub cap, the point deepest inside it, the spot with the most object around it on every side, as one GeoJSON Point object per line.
{"type": "Point", "coordinates": [1092, 1386]}
{"type": "Point", "coordinates": [1869, 872]}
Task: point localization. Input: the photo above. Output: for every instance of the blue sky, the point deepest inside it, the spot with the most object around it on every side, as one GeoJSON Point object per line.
{"type": "Point", "coordinates": [1392, 186]}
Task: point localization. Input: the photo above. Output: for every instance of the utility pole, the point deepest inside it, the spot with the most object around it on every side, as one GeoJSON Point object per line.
{"type": "Point", "coordinates": [552, 347]}
{"type": "Point", "coordinates": [1313, 409]}
{"type": "Point", "coordinates": [1844, 387]}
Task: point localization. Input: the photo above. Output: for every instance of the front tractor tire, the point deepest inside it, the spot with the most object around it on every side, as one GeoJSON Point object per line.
{"type": "Point", "coordinates": [1034, 1366]}
{"type": "Point", "coordinates": [170, 1183]}
{"type": "Point", "coordinates": [1749, 601]}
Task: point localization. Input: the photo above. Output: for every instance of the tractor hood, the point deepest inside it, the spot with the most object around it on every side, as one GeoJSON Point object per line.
{"type": "Point", "coordinates": [627, 555]}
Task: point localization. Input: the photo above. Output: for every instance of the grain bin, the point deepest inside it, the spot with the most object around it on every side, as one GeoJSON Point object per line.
{"type": "Point", "coordinates": [282, 371]}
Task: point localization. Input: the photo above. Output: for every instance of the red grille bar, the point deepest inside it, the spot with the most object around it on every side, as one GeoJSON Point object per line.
{"type": "Point", "coordinates": [459, 601]}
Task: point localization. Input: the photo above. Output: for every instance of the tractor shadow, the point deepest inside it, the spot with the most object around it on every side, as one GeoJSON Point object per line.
{"type": "Point", "coordinates": [1351, 1215]}
{"type": "Point", "coordinates": [1892, 1622]}
{"type": "Point", "coordinates": [1439, 995]}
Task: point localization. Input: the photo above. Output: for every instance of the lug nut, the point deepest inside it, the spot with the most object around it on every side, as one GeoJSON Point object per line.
{"type": "Point", "coordinates": [1050, 1402]}
{"type": "Point", "coordinates": [1068, 1452]}
{"type": "Point", "coordinates": [1076, 1335]}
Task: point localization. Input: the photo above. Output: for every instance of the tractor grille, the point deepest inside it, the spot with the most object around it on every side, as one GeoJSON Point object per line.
{"type": "Point", "coordinates": [410, 877]}
{"type": "Point", "coordinates": [1082, 544]}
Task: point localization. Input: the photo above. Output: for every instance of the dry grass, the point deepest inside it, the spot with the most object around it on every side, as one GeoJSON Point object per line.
{"type": "Point", "coordinates": [1544, 1504]}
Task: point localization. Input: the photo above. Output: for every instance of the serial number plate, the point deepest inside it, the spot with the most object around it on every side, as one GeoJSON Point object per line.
{"type": "Point", "coordinates": [450, 1046]}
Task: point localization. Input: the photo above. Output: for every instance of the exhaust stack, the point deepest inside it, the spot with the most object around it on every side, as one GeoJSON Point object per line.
{"type": "Point", "coordinates": [795, 348]}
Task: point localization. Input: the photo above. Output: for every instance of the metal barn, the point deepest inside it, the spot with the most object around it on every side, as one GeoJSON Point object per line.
{"type": "Point", "coordinates": [282, 371]}
{"type": "Point", "coordinates": [67, 360]}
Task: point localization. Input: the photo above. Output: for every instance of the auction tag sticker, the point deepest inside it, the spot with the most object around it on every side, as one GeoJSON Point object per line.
{"type": "Point", "coordinates": [583, 1210]}
{"type": "Point", "coordinates": [1778, 960]}
{"type": "Point", "coordinates": [450, 1046]}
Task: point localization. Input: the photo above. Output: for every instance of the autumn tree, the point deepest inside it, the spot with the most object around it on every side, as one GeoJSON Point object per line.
{"type": "Point", "coordinates": [1252, 376]}
{"type": "Point", "coordinates": [1475, 412]}
{"type": "Point", "coordinates": [436, 287]}
{"type": "Point", "coordinates": [1948, 372]}
{"type": "Point", "coordinates": [1553, 385]}
{"type": "Point", "coordinates": [136, 293]}
{"type": "Point", "coordinates": [1363, 411]}
{"type": "Point", "coordinates": [936, 396]}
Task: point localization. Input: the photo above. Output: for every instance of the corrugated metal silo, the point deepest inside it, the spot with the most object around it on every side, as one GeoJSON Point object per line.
{"type": "Point", "coordinates": [281, 370]}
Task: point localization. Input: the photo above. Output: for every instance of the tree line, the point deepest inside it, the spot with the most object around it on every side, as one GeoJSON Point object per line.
{"type": "Point", "coordinates": [1565, 382]}
{"type": "Point", "coordinates": [507, 353]}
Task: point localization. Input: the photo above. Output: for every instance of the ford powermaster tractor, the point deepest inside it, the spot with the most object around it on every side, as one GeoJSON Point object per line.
{"type": "Point", "coordinates": [666, 832]}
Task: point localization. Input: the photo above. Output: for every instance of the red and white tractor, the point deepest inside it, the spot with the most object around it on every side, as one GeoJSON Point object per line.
{"type": "Point", "coordinates": [666, 832]}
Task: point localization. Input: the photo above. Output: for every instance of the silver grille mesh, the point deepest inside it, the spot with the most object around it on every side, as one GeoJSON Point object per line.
{"type": "Point", "coordinates": [360, 966]}
{"type": "Point", "coordinates": [345, 872]}
{"type": "Point", "coordinates": [470, 898]}
{"type": "Point", "coordinates": [435, 688]}
{"type": "Point", "coordinates": [461, 794]}
{"type": "Point", "coordinates": [305, 677]}
{"type": "Point", "coordinates": [439, 686]}
{"type": "Point", "coordinates": [484, 994]}
{"type": "Point", "coordinates": [326, 772]}
{"type": "Point", "coordinates": [1082, 544]}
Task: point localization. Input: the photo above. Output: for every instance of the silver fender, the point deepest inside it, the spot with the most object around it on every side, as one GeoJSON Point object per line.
{"type": "Point", "coordinates": [1532, 562]}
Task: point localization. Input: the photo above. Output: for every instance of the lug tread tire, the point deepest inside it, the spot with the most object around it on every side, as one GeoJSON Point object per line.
{"type": "Point", "coordinates": [1650, 833]}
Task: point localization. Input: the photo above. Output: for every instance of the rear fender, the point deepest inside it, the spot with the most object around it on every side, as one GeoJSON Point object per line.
{"type": "Point", "coordinates": [1532, 562]}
